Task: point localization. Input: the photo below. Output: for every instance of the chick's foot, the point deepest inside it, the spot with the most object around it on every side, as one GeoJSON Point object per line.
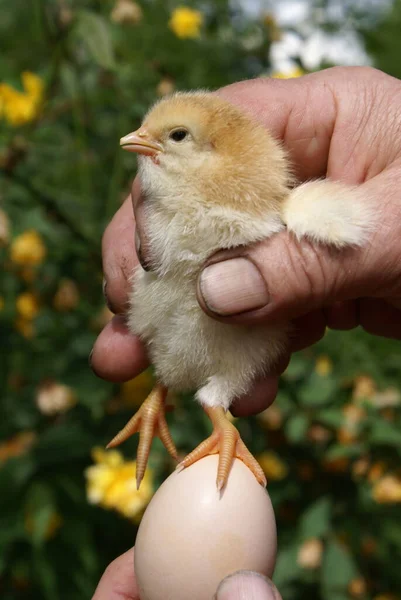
{"type": "Point", "coordinates": [149, 421]}
{"type": "Point", "coordinates": [225, 441]}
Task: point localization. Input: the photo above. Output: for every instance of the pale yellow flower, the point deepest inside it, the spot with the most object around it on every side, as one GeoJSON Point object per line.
{"type": "Point", "coordinates": [186, 22]}
{"type": "Point", "coordinates": [323, 366]}
{"type": "Point", "coordinates": [165, 86]}
{"type": "Point", "coordinates": [67, 296]}
{"type": "Point", "coordinates": [54, 398]}
{"type": "Point", "coordinates": [387, 490]}
{"type": "Point", "coordinates": [357, 588]}
{"type": "Point", "coordinates": [126, 11]}
{"type": "Point", "coordinates": [27, 306]}
{"type": "Point", "coordinates": [28, 249]}
{"type": "Point", "coordinates": [22, 107]}
{"type": "Point", "coordinates": [111, 483]}
{"type": "Point", "coordinates": [295, 72]}
{"type": "Point", "coordinates": [273, 467]}
{"type": "Point", "coordinates": [364, 388]}
{"type": "Point", "coordinates": [272, 417]}
{"type": "Point", "coordinates": [310, 554]}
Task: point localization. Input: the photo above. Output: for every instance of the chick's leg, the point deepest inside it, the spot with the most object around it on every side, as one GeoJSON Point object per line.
{"type": "Point", "coordinates": [225, 441]}
{"type": "Point", "coordinates": [149, 421]}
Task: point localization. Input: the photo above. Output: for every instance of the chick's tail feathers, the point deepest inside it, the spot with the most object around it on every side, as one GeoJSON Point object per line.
{"type": "Point", "coordinates": [329, 212]}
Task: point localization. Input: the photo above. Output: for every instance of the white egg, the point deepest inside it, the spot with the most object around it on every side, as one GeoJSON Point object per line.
{"type": "Point", "coordinates": [191, 536]}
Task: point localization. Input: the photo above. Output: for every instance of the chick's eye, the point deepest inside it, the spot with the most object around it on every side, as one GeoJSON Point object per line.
{"type": "Point", "coordinates": [178, 135]}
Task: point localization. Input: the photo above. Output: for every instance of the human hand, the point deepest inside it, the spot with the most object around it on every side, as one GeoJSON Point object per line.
{"type": "Point", "coordinates": [343, 123]}
{"type": "Point", "coordinates": [118, 583]}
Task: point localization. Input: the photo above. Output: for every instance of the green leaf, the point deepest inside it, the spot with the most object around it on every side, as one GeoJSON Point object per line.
{"type": "Point", "coordinates": [318, 390]}
{"type": "Point", "coordinates": [96, 34]}
{"type": "Point", "coordinates": [296, 428]}
{"type": "Point", "coordinates": [384, 433]}
{"type": "Point", "coordinates": [316, 520]}
{"type": "Point", "coordinates": [287, 568]}
{"type": "Point", "coordinates": [338, 569]}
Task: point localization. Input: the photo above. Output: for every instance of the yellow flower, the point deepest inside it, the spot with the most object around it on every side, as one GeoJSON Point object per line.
{"type": "Point", "coordinates": [186, 22]}
{"type": "Point", "coordinates": [357, 588]}
{"type": "Point", "coordinates": [387, 490]}
{"type": "Point", "coordinates": [273, 467]}
{"type": "Point", "coordinates": [22, 107]}
{"type": "Point", "coordinates": [323, 366]}
{"type": "Point", "coordinates": [377, 471]}
{"type": "Point", "coordinates": [126, 11]}
{"type": "Point", "coordinates": [310, 554]}
{"type": "Point", "coordinates": [295, 72]}
{"type": "Point", "coordinates": [28, 249]}
{"type": "Point", "coordinates": [67, 295]}
{"type": "Point", "coordinates": [54, 398]}
{"type": "Point", "coordinates": [111, 483]}
{"type": "Point", "coordinates": [25, 328]}
{"type": "Point", "coordinates": [27, 306]}
{"type": "Point", "coordinates": [2, 303]}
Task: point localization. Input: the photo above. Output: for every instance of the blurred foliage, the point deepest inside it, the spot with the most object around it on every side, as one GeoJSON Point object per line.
{"type": "Point", "coordinates": [75, 76]}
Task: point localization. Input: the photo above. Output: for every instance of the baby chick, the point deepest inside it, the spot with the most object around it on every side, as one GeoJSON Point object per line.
{"type": "Point", "coordinates": [213, 178]}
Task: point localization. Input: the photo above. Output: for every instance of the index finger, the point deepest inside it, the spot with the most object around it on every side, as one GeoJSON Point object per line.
{"type": "Point", "coordinates": [119, 257]}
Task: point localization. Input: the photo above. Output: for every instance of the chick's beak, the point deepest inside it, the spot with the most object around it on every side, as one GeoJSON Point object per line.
{"type": "Point", "coordinates": [142, 142]}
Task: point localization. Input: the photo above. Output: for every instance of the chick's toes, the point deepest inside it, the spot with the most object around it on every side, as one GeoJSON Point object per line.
{"type": "Point", "coordinates": [149, 421]}
{"type": "Point", "coordinates": [225, 441]}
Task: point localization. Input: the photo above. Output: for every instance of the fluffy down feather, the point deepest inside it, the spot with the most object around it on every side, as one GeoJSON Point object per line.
{"type": "Point", "coordinates": [226, 184]}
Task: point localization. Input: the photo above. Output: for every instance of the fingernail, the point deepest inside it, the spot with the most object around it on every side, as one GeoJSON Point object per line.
{"type": "Point", "coordinates": [246, 585]}
{"type": "Point", "coordinates": [233, 286]}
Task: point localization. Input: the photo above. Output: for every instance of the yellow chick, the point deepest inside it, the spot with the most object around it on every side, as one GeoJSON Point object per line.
{"type": "Point", "coordinates": [214, 178]}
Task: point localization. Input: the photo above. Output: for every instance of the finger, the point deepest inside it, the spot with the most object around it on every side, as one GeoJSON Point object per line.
{"type": "Point", "coordinates": [117, 354]}
{"type": "Point", "coordinates": [263, 392]}
{"type": "Point", "coordinates": [249, 585]}
{"type": "Point", "coordinates": [342, 315]}
{"type": "Point", "coordinates": [282, 278]}
{"type": "Point", "coordinates": [380, 318]}
{"type": "Point", "coordinates": [322, 119]}
{"type": "Point", "coordinates": [307, 330]}
{"type": "Point", "coordinates": [119, 257]}
{"type": "Point", "coordinates": [118, 581]}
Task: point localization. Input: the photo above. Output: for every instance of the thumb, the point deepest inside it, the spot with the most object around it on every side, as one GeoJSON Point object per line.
{"type": "Point", "coordinates": [283, 278]}
{"type": "Point", "coordinates": [247, 585]}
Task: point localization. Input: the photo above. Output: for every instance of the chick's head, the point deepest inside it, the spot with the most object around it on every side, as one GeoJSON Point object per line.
{"type": "Point", "coordinates": [200, 144]}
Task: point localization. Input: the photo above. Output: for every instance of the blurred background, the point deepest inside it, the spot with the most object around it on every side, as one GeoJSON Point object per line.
{"type": "Point", "coordinates": [76, 75]}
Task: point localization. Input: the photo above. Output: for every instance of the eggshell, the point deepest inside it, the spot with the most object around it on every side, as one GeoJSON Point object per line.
{"type": "Point", "coordinates": [191, 536]}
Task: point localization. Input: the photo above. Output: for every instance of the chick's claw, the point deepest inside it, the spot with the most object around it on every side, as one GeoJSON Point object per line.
{"type": "Point", "coordinates": [149, 421]}
{"type": "Point", "coordinates": [225, 441]}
